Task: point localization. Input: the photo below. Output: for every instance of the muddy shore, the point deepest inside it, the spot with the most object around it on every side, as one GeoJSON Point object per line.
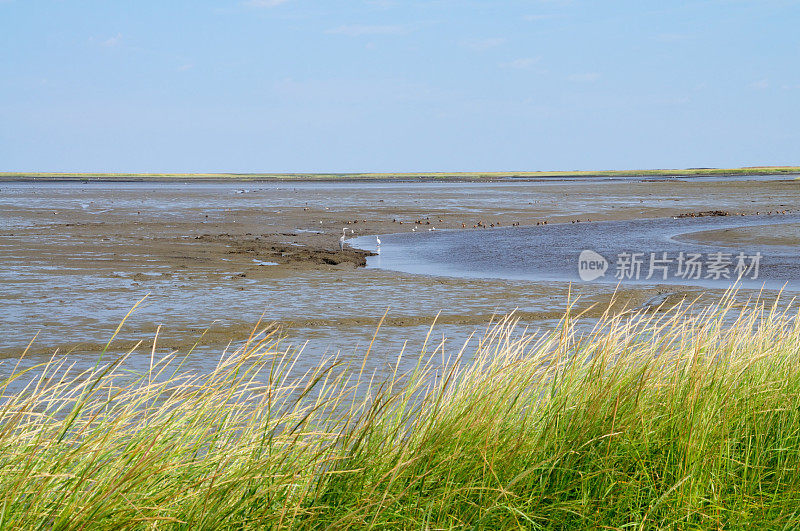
{"type": "Point", "coordinates": [155, 236]}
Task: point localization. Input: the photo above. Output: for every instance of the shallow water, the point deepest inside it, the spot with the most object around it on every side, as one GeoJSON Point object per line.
{"type": "Point", "coordinates": [551, 252]}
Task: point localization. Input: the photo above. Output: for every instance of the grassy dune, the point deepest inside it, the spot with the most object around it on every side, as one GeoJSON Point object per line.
{"type": "Point", "coordinates": [755, 170]}
{"type": "Point", "coordinates": [661, 420]}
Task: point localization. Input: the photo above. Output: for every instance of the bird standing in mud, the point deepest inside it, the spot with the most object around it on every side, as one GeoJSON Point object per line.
{"type": "Point", "coordinates": [341, 238]}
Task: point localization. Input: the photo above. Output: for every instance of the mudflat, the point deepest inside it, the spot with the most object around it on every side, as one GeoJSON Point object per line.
{"type": "Point", "coordinates": [220, 255]}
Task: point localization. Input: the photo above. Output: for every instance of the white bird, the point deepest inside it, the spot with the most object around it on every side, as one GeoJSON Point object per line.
{"type": "Point", "coordinates": [413, 229]}
{"type": "Point", "coordinates": [378, 240]}
{"type": "Point", "coordinates": [341, 239]}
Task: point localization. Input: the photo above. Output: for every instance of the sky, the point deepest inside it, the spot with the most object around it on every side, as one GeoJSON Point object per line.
{"type": "Point", "coordinates": [397, 86]}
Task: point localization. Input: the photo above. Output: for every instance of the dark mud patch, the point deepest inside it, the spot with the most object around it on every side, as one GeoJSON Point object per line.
{"type": "Point", "coordinates": [261, 248]}
{"type": "Point", "coordinates": [704, 214]}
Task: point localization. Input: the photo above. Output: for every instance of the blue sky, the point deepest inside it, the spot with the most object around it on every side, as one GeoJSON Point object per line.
{"type": "Point", "coordinates": [383, 85]}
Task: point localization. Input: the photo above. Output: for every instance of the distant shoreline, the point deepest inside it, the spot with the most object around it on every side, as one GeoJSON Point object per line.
{"type": "Point", "coordinates": [421, 176]}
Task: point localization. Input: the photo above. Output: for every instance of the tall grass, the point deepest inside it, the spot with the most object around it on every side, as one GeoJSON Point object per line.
{"type": "Point", "coordinates": [688, 418]}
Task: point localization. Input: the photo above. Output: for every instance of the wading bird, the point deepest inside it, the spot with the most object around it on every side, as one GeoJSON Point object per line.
{"type": "Point", "coordinates": [341, 238]}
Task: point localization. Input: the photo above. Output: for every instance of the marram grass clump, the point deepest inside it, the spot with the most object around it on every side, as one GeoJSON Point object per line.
{"type": "Point", "coordinates": [687, 418]}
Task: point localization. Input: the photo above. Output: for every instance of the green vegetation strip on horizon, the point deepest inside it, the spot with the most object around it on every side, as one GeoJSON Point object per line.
{"type": "Point", "coordinates": [670, 419]}
{"type": "Point", "coordinates": [765, 170]}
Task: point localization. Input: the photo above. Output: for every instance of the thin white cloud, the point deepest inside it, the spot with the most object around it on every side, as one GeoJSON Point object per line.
{"type": "Point", "coordinates": [523, 63]}
{"type": "Point", "coordinates": [760, 84]}
{"type": "Point", "coordinates": [585, 77]}
{"type": "Point", "coordinates": [357, 30]}
{"type": "Point", "coordinates": [672, 100]}
{"type": "Point", "coordinates": [265, 3]}
{"type": "Point", "coordinates": [113, 41]}
{"type": "Point", "coordinates": [483, 44]}
{"type": "Point", "coordinates": [672, 37]}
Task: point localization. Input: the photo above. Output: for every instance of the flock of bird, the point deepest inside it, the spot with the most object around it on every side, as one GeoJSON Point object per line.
{"type": "Point", "coordinates": [343, 237]}
{"type": "Point", "coordinates": [426, 221]}
{"type": "Point", "coordinates": [482, 224]}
